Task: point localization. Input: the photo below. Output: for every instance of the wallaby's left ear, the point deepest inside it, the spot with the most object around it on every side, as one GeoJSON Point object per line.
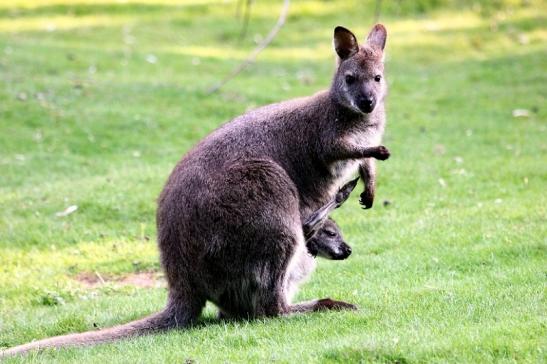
{"type": "Point", "coordinates": [377, 37]}
{"type": "Point", "coordinates": [345, 43]}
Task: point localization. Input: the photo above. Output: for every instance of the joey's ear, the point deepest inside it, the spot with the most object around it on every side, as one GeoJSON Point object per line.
{"type": "Point", "coordinates": [377, 37]}
{"type": "Point", "coordinates": [345, 43]}
{"type": "Point", "coordinates": [344, 192]}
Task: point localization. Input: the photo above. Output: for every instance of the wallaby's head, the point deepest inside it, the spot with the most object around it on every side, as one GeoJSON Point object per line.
{"type": "Point", "coordinates": [328, 242]}
{"type": "Point", "coordinates": [359, 83]}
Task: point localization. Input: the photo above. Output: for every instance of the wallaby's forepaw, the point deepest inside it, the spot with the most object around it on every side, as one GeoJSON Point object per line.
{"type": "Point", "coordinates": [328, 304]}
{"type": "Point", "coordinates": [366, 199]}
{"type": "Point", "coordinates": [381, 153]}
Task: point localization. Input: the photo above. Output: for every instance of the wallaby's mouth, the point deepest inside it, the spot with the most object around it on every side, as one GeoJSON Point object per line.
{"type": "Point", "coordinates": [340, 251]}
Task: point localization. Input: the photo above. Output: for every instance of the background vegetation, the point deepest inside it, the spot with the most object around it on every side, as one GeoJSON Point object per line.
{"type": "Point", "coordinates": [99, 99]}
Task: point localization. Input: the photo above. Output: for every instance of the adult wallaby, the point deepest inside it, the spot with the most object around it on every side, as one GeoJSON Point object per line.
{"type": "Point", "coordinates": [230, 216]}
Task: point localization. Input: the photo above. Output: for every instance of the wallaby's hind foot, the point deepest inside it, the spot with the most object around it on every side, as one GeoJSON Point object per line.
{"type": "Point", "coordinates": [321, 305]}
{"type": "Point", "coordinates": [328, 304]}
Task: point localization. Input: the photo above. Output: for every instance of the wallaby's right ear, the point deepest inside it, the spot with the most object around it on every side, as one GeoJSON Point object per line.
{"type": "Point", "coordinates": [377, 37]}
{"type": "Point", "coordinates": [345, 43]}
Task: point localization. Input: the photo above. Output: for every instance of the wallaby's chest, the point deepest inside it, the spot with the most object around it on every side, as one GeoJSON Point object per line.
{"type": "Point", "coordinates": [344, 171]}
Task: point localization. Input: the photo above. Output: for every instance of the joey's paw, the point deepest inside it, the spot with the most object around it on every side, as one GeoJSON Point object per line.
{"type": "Point", "coordinates": [366, 199]}
{"type": "Point", "coordinates": [382, 153]}
{"type": "Point", "coordinates": [328, 304]}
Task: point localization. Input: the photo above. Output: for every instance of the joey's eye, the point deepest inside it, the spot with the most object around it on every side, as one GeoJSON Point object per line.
{"type": "Point", "coordinates": [330, 233]}
{"type": "Point", "coordinates": [377, 78]}
{"type": "Point", "coordinates": [350, 79]}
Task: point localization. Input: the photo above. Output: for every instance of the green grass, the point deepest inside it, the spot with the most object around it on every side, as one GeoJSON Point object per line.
{"type": "Point", "coordinates": [452, 271]}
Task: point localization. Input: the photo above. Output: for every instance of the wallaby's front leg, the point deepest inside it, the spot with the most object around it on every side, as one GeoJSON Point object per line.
{"type": "Point", "coordinates": [341, 152]}
{"type": "Point", "coordinates": [367, 171]}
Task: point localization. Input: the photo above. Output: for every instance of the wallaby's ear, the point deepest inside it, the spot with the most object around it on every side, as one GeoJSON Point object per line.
{"type": "Point", "coordinates": [345, 43]}
{"type": "Point", "coordinates": [377, 37]}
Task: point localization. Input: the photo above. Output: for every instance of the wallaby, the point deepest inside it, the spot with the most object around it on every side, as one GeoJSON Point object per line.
{"type": "Point", "coordinates": [230, 217]}
{"type": "Point", "coordinates": [329, 243]}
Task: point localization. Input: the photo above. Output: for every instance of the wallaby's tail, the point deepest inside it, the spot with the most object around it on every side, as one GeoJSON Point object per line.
{"type": "Point", "coordinates": [162, 320]}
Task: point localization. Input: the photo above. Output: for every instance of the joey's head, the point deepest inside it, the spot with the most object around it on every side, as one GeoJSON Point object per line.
{"type": "Point", "coordinates": [359, 83]}
{"type": "Point", "coordinates": [328, 243]}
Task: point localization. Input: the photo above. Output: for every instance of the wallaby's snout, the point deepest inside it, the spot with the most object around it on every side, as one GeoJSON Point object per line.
{"type": "Point", "coordinates": [344, 251]}
{"type": "Point", "coordinates": [366, 102]}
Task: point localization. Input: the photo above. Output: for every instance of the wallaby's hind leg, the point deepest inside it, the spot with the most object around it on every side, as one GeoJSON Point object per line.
{"type": "Point", "coordinates": [259, 289]}
{"type": "Point", "coordinates": [256, 209]}
{"type": "Point", "coordinates": [185, 302]}
{"type": "Point", "coordinates": [185, 308]}
{"type": "Point", "coordinates": [269, 298]}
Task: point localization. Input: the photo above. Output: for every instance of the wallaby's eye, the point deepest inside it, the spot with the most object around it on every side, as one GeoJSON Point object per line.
{"type": "Point", "coordinates": [330, 233]}
{"type": "Point", "coordinates": [350, 79]}
{"type": "Point", "coordinates": [377, 78]}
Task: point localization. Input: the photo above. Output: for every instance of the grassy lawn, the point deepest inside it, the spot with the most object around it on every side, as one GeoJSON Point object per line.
{"type": "Point", "coordinates": [99, 99]}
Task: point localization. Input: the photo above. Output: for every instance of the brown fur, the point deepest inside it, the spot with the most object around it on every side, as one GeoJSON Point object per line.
{"type": "Point", "coordinates": [230, 216]}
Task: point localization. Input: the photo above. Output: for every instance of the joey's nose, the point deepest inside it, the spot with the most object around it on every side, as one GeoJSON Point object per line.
{"type": "Point", "coordinates": [348, 251]}
{"type": "Point", "coordinates": [345, 251]}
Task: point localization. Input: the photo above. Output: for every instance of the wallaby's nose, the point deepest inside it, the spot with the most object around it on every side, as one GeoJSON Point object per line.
{"type": "Point", "coordinates": [366, 104]}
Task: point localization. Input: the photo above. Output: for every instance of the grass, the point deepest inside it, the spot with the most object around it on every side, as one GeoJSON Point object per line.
{"type": "Point", "coordinates": [98, 100]}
